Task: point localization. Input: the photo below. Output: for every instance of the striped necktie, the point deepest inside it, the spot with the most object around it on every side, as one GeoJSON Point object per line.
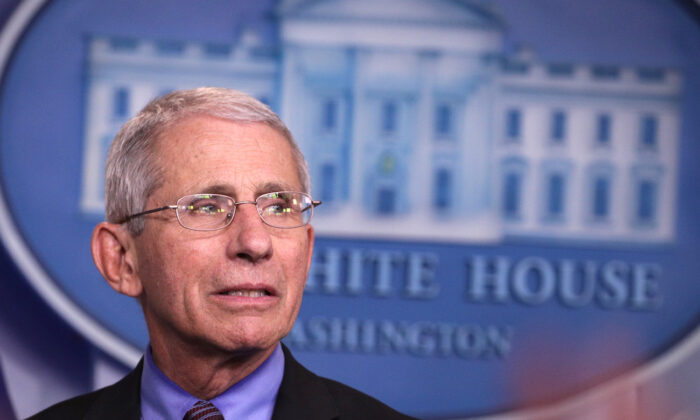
{"type": "Point", "coordinates": [203, 410]}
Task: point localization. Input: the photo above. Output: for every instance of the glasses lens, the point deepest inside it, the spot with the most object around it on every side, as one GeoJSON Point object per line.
{"type": "Point", "coordinates": [285, 209]}
{"type": "Point", "coordinates": [205, 211]}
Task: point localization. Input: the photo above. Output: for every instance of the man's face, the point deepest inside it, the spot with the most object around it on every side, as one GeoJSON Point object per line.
{"type": "Point", "coordinates": [190, 278]}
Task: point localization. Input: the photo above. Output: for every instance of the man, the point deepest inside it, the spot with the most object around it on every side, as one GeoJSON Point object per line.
{"type": "Point", "coordinates": [207, 211]}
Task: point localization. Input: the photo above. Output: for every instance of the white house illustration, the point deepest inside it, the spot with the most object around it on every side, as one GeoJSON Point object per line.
{"type": "Point", "coordinates": [417, 125]}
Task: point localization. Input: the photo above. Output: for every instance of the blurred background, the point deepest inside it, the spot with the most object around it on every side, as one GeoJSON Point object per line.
{"type": "Point", "coordinates": [509, 227]}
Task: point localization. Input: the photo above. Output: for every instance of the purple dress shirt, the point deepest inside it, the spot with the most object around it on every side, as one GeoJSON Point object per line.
{"type": "Point", "coordinates": [252, 398]}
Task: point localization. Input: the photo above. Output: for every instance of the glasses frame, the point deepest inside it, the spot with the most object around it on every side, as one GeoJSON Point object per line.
{"type": "Point", "coordinates": [314, 204]}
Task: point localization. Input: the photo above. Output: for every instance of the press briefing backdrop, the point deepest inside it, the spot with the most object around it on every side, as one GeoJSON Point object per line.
{"type": "Point", "coordinates": [509, 187]}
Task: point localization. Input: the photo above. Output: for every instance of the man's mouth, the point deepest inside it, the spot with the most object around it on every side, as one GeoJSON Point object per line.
{"type": "Point", "coordinates": [250, 290]}
{"type": "Point", "coordinates": [255, 293]}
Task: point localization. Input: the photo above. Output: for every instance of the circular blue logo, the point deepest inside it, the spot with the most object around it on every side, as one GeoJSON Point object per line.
{"type": "Point", "coordinates": [492, 215]}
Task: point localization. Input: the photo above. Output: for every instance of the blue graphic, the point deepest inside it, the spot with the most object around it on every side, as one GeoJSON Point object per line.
{"type": "Point", "coordinates": [383, 118]}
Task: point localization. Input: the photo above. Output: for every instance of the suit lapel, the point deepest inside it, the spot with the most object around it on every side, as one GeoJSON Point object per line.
{"type": "Point", "coordinates": [302, 394]}
{"type": "Point", "coordinates": [120, 401]}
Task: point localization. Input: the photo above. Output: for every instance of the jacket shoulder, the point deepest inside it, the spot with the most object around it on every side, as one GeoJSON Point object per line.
{"type": "Point", "coordinates": [351, 400]}
{"type": "Point", "coordinates": [118, 401]}
{"type": "Point", "coordinates": [305, 395]}
{"type": "Point", "coordinates": [76, 407]}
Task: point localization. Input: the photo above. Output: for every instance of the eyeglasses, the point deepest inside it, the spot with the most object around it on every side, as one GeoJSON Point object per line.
{"type": "Point", "coordinates": [283, 209]}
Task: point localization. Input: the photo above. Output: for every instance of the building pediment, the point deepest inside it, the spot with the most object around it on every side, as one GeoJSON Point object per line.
{"type": "Point", "coordinates": [423, 12]}
{"type": "Point", "coordinates": [419, 25]}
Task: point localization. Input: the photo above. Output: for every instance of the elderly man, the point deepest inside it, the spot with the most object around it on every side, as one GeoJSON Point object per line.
{"type": "Point", "coordinates": [208, 210]}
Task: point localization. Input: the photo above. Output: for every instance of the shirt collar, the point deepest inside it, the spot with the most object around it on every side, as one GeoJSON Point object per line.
{"type": "Point", "coordinates": [251, 398]}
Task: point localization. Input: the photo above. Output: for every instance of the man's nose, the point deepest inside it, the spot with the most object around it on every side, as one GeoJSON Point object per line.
{"type": "Point", "coordinates": [250, 236]}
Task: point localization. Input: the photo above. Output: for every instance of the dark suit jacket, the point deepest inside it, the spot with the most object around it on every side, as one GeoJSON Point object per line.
{"type": "Point", "coordinates": [302, 395]}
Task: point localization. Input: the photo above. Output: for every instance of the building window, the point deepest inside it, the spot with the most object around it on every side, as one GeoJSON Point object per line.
{"type": "Point", "coordinates": [513, 123]}
{"type": "Point", "coordinates": [512, 186]}
{"type": "Point", "coordinates": [327, 183]}
{"type": "Point", "coordinates": [555, 195]}
{"type": "Point", "coordinates": [515, 67]}
{"type": "Point", "coordinates": [120, 103]}
{"type": "Point", "coordinates": [603, 127]}
{"type": "Point", "coordinates": [170, 47]}
{"type": "Point", "coordinates": [217, 50]}
{"type": "Point", "coordinates": [646, 201]}
{"type": "Point", "coordinates": [123, 44]}
{"type": "Point", "coordinates": [558, 126]}
{"type": "Point", "coordinates": [512, 199]}
{"type": "Point", "coordinates": [646, 187]}
{"type": "Point", "coordinates": [652, 75]}
{"type": "Point", "coordinates": [389, 117]}
{"type": "Point", "coordinates": [442, 189]}
{"type": "Point", "coordinates": [443, 120]}
{"type": "Point", "coordinates": [560, 70]}
{"type": "Point", "coordinates": [649, 132]}
{"type": "Point", "coordinates": [387, 164]}
{"type": "Point", "coordinates": [329, 118]}
{"type": "Point", "coordinates": [386, 200]}
{"type": "Point", "coordinates": [605, 72]}
{"type": "Point", "coordinates": [601, 198]}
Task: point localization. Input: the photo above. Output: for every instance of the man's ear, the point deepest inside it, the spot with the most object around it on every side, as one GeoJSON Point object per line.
{"type": "Point", "coordinates": [114, 255]}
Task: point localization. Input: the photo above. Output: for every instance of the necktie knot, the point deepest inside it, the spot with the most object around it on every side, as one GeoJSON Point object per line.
{"type": "Point", "coordinates": [202, 410]}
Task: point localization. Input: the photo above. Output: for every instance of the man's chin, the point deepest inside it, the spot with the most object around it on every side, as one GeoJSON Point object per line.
{"type": "Point", "coordinates": [251, 345]}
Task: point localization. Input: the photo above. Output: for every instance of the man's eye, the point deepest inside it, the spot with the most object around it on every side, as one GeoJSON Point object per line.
{"type": "Point", "coordinates": [278, 209]}
{"type": "Point", "coordinates": [205, 208]}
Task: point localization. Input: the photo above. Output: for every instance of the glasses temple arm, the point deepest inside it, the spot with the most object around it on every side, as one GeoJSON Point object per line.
{"type": "Point", "coordinates": [314, 203]}
{"type": "Point", "coordinates": [143, 213]}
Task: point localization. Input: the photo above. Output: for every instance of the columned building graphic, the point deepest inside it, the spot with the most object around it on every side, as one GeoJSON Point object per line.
{"type": "Point", "coordinates": [417, 124]}
{"type": "Point", "coordinates": [586, 151]}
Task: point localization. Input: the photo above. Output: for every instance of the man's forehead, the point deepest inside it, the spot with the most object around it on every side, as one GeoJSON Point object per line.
{"type": "Point", "coordinates": [204, 154]}
{"type": "Point", "coordinates": [203, 133]}
{"type": "Point", "coordinates": [237, 191]}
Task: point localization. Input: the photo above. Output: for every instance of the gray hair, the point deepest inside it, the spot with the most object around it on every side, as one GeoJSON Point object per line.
{"type": "Point", "coordinates": [132, 173]}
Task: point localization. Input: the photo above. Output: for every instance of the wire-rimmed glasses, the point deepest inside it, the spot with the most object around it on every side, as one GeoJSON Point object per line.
{"type": "Point", "coordinates": [281, 209]}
